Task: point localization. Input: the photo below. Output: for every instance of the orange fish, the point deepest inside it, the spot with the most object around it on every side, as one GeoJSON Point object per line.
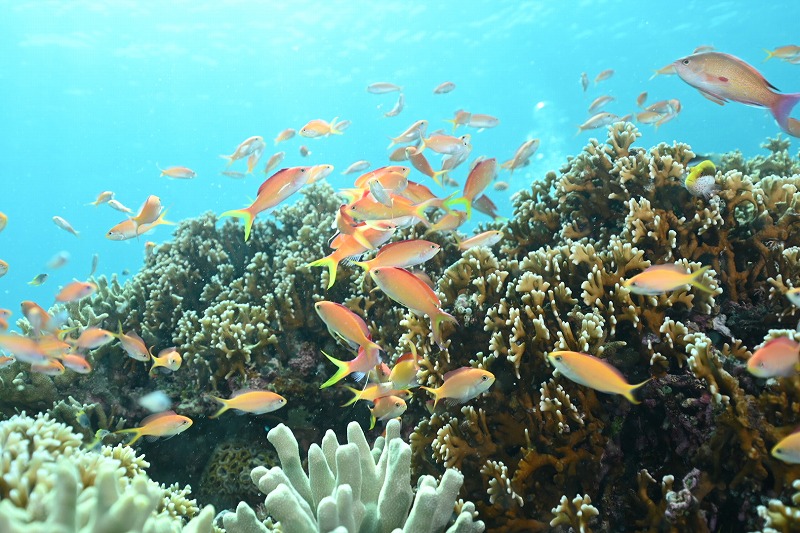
{"type": "Point", "coordinates": [604, 75]}
{"type": "Point", "coordinates": [401, 254]}
{"type": "Point", "coordinates": [386, 407]}
{"type": "Point", "coordinates": [182, 173]}
{"type": "Point", "coordinates": [247, 147]}
{"type": "Point", "coordinates": [659, 279]}
{"type": "Point", "coordinates": [102, 198]}
{"type": "Point", "coordinates": [3, 221]}
{"type": "Point", "coordinates": [168, 360]}
{"type": "Point", "coordinates": [599, 102]}
{"type": "Point", "coordinates": [522, 155]}
{"type": "Point", "coordinates": [788, 51]}
{"type": "Point", "coordinates": [444, 144]}
{"type": "Point", "coordinates": [285, 135]}
{"type": "Point", "coordinates": [365, 361]}
{"type": "Point", "coordinates": [344, 324]}
{"type": "Point", "coordinates": [413, 133]}
{"type": "Point", "coordinates": [406, 289]}
{"type": "Point", "coordinates": [421, 163]}
{"type": "Point", "coordinates": [127, 229]}
{"type": "Point", "coordinates": [273, 191]}
{"type": "Point", "coordinates": [722, 77]}
{"type": "Point", "coordinates": [256, 402]}
{"type": "Point", "coordinates": [318, 172]}
{"type": "Point", "coordinates": [461, 385]}
{"type": "Point", "coordinates": [51, 367]}
{"type": "Point", "coordinates": [76, 363]}
{"type": "Point", "coordinates": [273, 162]}
{"type": "Point", "coordinates": [75, 291]}
{"type": "Point", "coordinates": [779, 357]}
{"type": "Point", "coordinates": [487, 238]}
{"type": "Point", "coordinates": [478, 179]}
{"type": "Point", "coordinates": [165, 424]}
{"type": "Point", "coordinates": [25, 349]}
{"type": "Point", "coordinates": [479, 120]}
{"type": "Point", "coordinates": [133, 345]}
{"type": "Point", "coordinates": [149, 212]}
{"type": "Point", "coordinates": [319, 128]}
{"type": "Point", "coordinates": [374, 391]}
{"type": "Point", "coordinates": [404, 371]}
{"type": "Point", "coordinates": [592, 372]}
{"type": "Point", "coordinates": [91, 338]}
{"type": "Point", "coordinates": [788, 449]}
{"type": "Point", "coordinates": [350, 246]}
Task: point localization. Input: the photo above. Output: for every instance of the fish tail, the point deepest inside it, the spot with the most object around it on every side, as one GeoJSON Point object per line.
{"type": "Point", "coordinates": [436, 175]}
{"type": "Point", "coordinates": [363, 264]}
{"type": "Point", "coordinates": [629, 393]}
{"type": "Point", "coordinates": [329, 263]}
{"type": "Point", "coordinates": [696, 276]}
{"type": "Point", "coordinates": [245, 215]}
{"type": "Point", "coordinates": [455, 124]}
{"type": "Point", "coordinates": [782, 108]}
{"type": "Point", "coordinates": [435, 393]}
{"type": "Point", "coordinates": [461, 201]}
{"type": "Point", "coordinates": [355, 398]}
{"type": "Point", "coordinates": [333, 130]}
{"type": "Point", "coordinates": [421, 146]}
{"type": "Point", "coordinates": [770, 55]}
{"type": "Point", "coordinates": [419, 212]}
{"type": "Point", "coordinates": [137, 432]}
{"type": "Point", "coordinates": [436, 326]}
{"type": "Point", "coordinates": [372, 420]}
{"type": "Point", "coordinates": [163, 221]}
{"type": "Point", "coordinates": [222, 409]}
{"type": "Point", "coordinates": [229, 159]}
{"type": "Point", "coordinates": [342, 370]}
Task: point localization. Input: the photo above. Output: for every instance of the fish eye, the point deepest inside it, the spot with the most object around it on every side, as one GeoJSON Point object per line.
{"type": "Point", "coordinates": [558, 358]}
{"type": "Point", "coordinates": [685, 61]}
{"type": "Point", "coordinates": [484, 378]}
{"type": "Point", "coordinates": [397, 404]}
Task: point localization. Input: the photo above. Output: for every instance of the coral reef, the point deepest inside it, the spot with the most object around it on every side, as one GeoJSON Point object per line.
{"type": "Point", "coordinates": [44, 473]}
{"type": "Point", "coordinates": [350, 487]}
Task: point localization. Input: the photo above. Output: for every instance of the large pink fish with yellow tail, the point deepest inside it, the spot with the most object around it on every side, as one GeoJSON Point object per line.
{"type": "Point", "coordinates": [722, 77]}
{"type": "Point", "coordinates": [273, 191]}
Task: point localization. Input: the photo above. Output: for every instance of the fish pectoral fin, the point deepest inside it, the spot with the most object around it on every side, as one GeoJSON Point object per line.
{"type": "Point", "coordinates": [714, 98]}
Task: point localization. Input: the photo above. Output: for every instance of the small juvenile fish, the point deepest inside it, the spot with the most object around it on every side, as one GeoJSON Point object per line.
{"type": "Point", "coordinates": [58, 260]}
{"type": "Point", "coordinates": [318, 172]}
{"type": "Point", "coordinates": [500, 185]}
{"type": "Point", "coordinates": [461, 385]}
{"type": "Point", "coordinates": [779, 357]}
{"type": "Point", "coordinates": [285, 135]}
{"type": "Point", "coordinates": [641, 99]}
{"type": "Point", "coordinates": [584, 81]}
{"type": "Point", "coordinates": [383, 87]}
{"type": "Point", "coordinates": [233, 174]}
{"type": "Point", "coordinates": [95, 260]}
{"type": "Point", "coordinates": [38, 279]}
{"type": "Point", "coordinates": [594, 373]}
{"type": "Point", "coordinates": [358, 166]}
{"type": "Point", "coordinates": [178, 173]}
{"type": "Point", "coordinates": [319, 128]}
{"type": "Point", "coordinates": [75, 290]}
{"type": "Point", "coordinates": [701, 181]}
{"type": "Point", "coordinates": [273, 162]}
{"type": "Point", "coordinates": [604, 75]}
{"type": "Point", "coordinates": [444, 87]}
{"type": "Point", "coordinates": [115, 204]}
{"type": "Point", "coordinates": [782, 52]}
{"type": "Point", "coordinates": [788, 449]}
{"type": "Point", "coordinates": [304, 151]}
{"type": "Point", "coordinates": [487, 238]}
{"type": "Point", "coordinates": [102, 198]}
{"type": "Point", "coordinates": [256, 402]}
{"type": "Point", "coordinates": [599, 102]}
{"type": "Point", "coordinates": [63, 224]}
{"type": "Point", "coordinates": [398, 107]}
{"type": "Point", "coordinates": [166, 424]}
{"type": "Point", "coordinates": [385, 408]}
{"type": "Point", "coordinates": [658, 279]}
{"type": "Point", "coordinates": [168, 360]}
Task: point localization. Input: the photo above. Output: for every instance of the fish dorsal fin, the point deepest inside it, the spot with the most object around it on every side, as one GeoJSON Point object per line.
{"type": "Point", "coordinates": [239, 392]}
{"type": "Point", "coordinates": [152, 418]}
{"type": "Point", "coordinates": [456, 372]}
{"type": "Point", "coordinates": [132, 334]}
{"type": "Point", "coordinates": [669, 267]}
{"type": "Point", "coordinates": [405, 357]}
{"type": "Point", "coordinates": [166, 351]}
{"type": "Point", "coordinates": [782, 341]}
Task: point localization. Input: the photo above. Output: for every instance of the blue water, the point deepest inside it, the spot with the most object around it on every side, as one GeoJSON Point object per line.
{"type": "Point", "coordinates": [95, 93]}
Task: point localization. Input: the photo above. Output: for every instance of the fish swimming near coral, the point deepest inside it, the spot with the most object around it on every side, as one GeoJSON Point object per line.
{"type": "Point", "coordinates": [386, 407]}
{"type": "Point", "coordinates": [779, 357]}
{"type": "Point", "coordinates": [256, 402]}
{"type": "Point", "coordinates": [658, 279]}
{"type": "Point", "coordinates": [461, 385]}
{"type": "Point", "coordinates": [365, 361]}
{"type": "Point", "coordinates": [594, 373]}
{"type": "Point", "coordinates": [788, 448]}
{"type": "Point", "coordinates": [723, 77]}
{"type": "Point", "coordinates": [701, 181]}
{"type": "Point", "coordinates": [166, 424]}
